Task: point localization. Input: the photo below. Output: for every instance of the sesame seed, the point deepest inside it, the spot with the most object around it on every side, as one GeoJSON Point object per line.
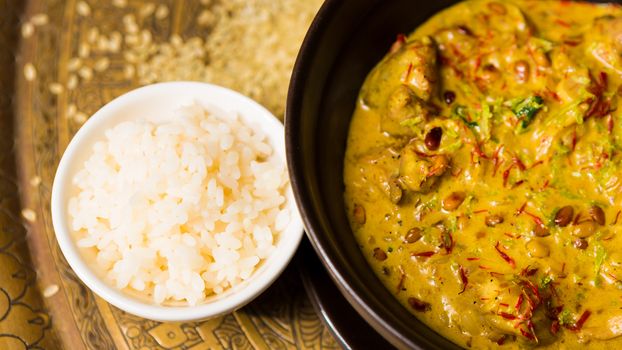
{"type": "Point", "coordinates": [35, 181]}
{"type": "Point", "coordinates": [29, 215]}
{"type": "Point", "coordinates": [27, 29]}
{"type": "Point", "coordinates": [83, 9]}
{"type": "Point", "coordinates": [50, 290]}
{"type": "Point", "coordinates": [56, 88]}
{"type": "Point", "coordinates": [30, 73]}
{"type": "Point", "coordinates": [40, 19]}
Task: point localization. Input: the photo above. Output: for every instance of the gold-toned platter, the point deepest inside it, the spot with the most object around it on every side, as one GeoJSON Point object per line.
{"type": "Point", "coordinates": [62, 60]}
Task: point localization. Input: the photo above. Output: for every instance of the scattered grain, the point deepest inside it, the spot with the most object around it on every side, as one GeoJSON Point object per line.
{"type": "Point", "coordinates": [29, 215]}
{"type": "Point", "coordinates": [162, 12]}
{"type": "Point", "coordinates": [176, 40]}
{"type": "Point", "coordinates": [102, 64]}
{"type": "Point", "coordinates": [72, 109]}
{"type": "Point", "coordinates": [146, 10]}
{"type": "Point", "coordinates": [93, 35]}
{"type": "Point", "coordinates": [40, 19]}
{"type": "Point", "coordinates": [206, 18]}
{"type": "Point", "coordinates": [80, 117]}
{"type": "Point", "coordinates": [129, 22]}
{"type": "Point", "coordinates": [74, 64]}
{"type": "Point", "coordinates": [86, 73]}
{"type": "Point", "coordinates": [56, 88]}
{"type": "Point", "coordinates": [84, 50]}
{"type": "Point", "coordinates": [119, 3]}
{"type": "Point", "coordinates": [83, 9]}
{"type": "Point", "coordinates": [28, 29]}
{"type": "Point", "coordinates": [129, 71]}
{"type": "Point", "coordinates": [35, 181]}
{"type": "Point", "coordinates": [114, 45]}
{"type": "Point", "coordinates": [30, 73]}
{"type": "Point", "coordinates": [222, 55]}
{"type": "Point", "coordinates": [72, 82]}
{"type": "Point", "coordinates": [50, 290]}
{"type": "Point", "coordinates": [145, 37]}
{"type": "Point", "coordinates": [130, 56]}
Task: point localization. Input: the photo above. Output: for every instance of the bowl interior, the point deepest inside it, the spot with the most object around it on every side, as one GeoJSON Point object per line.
{"type": "Point", "coordinates": [158, 103]}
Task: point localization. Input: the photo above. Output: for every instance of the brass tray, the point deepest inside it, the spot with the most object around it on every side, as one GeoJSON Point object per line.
{"type": "Point", "coordinates": [46, 94]}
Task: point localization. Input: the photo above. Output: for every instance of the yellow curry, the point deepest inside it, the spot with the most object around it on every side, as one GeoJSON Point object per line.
{"type": "Point", "coordinates": [483, 173]}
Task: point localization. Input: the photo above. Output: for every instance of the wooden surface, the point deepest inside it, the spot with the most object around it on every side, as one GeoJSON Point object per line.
{"type": "Point", "coordinates": [42, 303]}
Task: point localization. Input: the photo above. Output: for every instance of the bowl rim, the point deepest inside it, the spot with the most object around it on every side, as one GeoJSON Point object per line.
{"type": "Point", "coordinates": [235, 297]}
{"type": "Point", "coordinates": [394, 332]}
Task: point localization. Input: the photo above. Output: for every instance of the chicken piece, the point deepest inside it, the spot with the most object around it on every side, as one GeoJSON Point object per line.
{"type": "Point", "coordinates": [501, 17]}
{"type": "Point", "coordinates": [573, 78]}
{"type": "Point", "coordinates": [403, 112]}
{"type": "Point", "coordinates": [379, 172]}
{"type": "Point", "coordinates": [489, 23]}
{"type": "Point", "coordinates": [611, 270]}
{"type": "Point", "coordinates": [605, 42]}
{"type": "Point", "coordinates": [456, 41]}
{"type": "Point", "coordinates": [413, 65]}
{"type": "Point", "coordinates": [418, 172]}
{"type": "Point", "coordinates": [605, 326]}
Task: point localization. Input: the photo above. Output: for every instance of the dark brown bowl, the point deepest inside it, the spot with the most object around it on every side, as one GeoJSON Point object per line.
{"type": "Point", "coordinates": [346, 39]}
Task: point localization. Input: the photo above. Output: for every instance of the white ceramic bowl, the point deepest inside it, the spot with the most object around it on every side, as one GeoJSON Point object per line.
{"type": "Point", "coordinates": [157, 103]}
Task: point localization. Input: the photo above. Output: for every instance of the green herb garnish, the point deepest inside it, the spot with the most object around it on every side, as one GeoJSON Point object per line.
{"type": "Point", "coordinates": [600, 254]}
{"type": "Point", "coordinates": [545, 281]}
{"type": "Point", "coordinates": [527, 109]}
{"type": "Point", "coordinates": [565, 318]}
{"type": "Point", "coordinates": [461, 112]}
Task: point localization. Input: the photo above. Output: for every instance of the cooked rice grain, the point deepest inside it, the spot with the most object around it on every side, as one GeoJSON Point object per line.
{"type": "Point", "coordinates": [180, 210]}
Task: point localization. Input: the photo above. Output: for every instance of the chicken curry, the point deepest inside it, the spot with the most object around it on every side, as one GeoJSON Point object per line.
{"type": "Point", "coordinates": [483, 174]}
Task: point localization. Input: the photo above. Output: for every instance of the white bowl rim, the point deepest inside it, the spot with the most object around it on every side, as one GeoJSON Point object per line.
{"type": "Point", "coordinates": [260, 280]}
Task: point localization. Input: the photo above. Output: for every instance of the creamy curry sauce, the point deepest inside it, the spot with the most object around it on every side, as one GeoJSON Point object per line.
{"type": "Point", "coordinates": [482, 173]}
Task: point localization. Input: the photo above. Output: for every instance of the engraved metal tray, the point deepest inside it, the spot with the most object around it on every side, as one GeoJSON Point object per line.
{"type": "Point", "coordinates": [44, 98]}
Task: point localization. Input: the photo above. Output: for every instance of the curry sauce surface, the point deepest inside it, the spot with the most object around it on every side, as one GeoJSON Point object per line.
{"type": "Point", "coordinates": [482, 173]}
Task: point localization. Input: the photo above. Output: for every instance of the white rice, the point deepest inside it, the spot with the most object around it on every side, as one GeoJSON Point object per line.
{"type": "Point", "coordinates": [180, 210]}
